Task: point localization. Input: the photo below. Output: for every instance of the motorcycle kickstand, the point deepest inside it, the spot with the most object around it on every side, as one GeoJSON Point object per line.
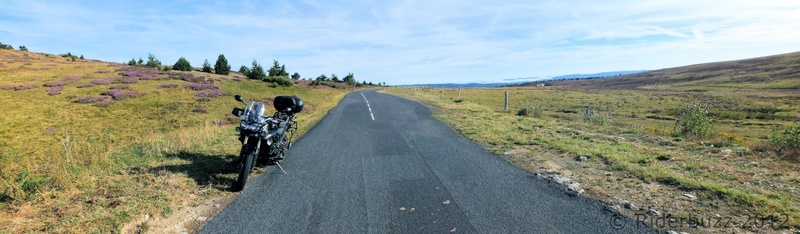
{"type": "Point", "coordinates": [279, 166]}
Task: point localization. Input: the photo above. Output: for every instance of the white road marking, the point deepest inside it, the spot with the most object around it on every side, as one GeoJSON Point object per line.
{"type": "Point", "coordinates": [368, 107]}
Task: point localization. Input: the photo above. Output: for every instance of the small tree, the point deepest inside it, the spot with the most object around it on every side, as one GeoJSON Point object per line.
{"type": "Point", "coordinates": [257, 72]}
{"type": "Point", "coordinates": [6, 47]}
{"type": "Point", "coordinates": [221, 66]}
{"type": "Point", "coordinates": [23, 48]}
{"type": "Point", "coordinates": [350, 79]}
{"type": "Point", "coordinates": [335, 78]}
{"type": "Point", "coordinates": [277, 69]}
{"type": "Point", "coordinates": [82, 57]}
{"type": "Point", "coordinates": [152, 61]}
{"type": "Point", "coordinates": [296, 76]}
{"type": "Point", "coordinates": [140, 62]}
{"type": "Point", "coordinates": [182, 65]}
{"type": "Point", "coordinates": [322, 77]}
{"type": "Point", "coordinates": [132, 62]}
{"type": "Point", "coordinates": [245, 71]}
{"type": "Point", "coordinates": [206, 66]}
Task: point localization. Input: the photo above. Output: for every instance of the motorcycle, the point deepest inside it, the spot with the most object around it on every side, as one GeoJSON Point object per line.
{"type": "Point", "coordinates": [264, 139]}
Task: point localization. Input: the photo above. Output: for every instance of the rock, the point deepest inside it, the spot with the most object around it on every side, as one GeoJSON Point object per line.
{"type": "Point", "coordinates": [614, 208]}
{"type": "Point", "coordinates": [202, 218]}
{"type": "Point", "coordinates": [446, 202]}
{"type": "Point", "coordinates": [653, 212]}
{"type": "Point", "coordinates": [583, 159]}
{"type": "Point", "coordinates": [548, 171]}
{"type": "Point", "coordinates": [560, 179]}
{"type": "Point", "coordinates": [216, 205]}
{"type": "Point", "coordinates": [576, 188]}
{"type": "Point", "coordinates": [683, 233]}
{"type": "Point", "coordinates": [689, 196]}
{"type": "Point", "coordinates": [402, 209]}
{"type": "Point", "coordinates": [630, 205]}
{"type": "Point", "coordinates": [671, 232]}
{"type": "Point", "coordinates": [727, 152]}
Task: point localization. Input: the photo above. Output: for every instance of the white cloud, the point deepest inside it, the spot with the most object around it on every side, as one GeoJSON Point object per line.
{"type": "Point", "coordinates": [404, 42]}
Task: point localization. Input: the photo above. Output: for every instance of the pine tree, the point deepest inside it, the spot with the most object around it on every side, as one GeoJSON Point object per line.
{"type": "Point", "coordinates": [182, 65]}
{"type": "Point", "coordinates": [296, 76]}
{"type": "Point", "coordinates": [206, 66]}
{"type": "Point", "coordinates": [221, 66]}
{"type": "Point", "coordinates": [257, 72]}
{"type": "Point", "coordinates": [152, 61]}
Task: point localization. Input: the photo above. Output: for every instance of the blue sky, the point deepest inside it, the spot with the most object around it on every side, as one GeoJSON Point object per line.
{"type": "Point", "coordinates": [407, 42]}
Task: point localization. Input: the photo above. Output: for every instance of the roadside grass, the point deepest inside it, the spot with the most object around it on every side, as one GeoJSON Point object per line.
{"type": "Point", "coordinates": [152, 147]}
{"type": "Point", "coordinates": [734, 169]}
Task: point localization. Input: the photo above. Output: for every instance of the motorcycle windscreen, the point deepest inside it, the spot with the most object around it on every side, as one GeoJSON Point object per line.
{"type": "Point", "coordinates": [253, 112]}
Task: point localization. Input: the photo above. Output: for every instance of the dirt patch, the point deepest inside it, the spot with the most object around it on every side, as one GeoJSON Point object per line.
{"type": "Point", "coordinates": [187, 220]}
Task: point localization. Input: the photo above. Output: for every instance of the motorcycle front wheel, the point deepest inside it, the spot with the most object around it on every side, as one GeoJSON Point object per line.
{"type": "Point", "coordinates": [247, 154]}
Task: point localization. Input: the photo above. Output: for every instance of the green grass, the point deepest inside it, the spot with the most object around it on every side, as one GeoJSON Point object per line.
{"type": "Point", "coordinates": [639, 142]}
{"type": "Point", "coordinates": [72, 167]}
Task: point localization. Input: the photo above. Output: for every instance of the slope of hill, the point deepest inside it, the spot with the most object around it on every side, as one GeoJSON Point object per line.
{"type": "Point", "coordinates": [88, 146]}
{"type": "Point", "coordinates": [770, 72]}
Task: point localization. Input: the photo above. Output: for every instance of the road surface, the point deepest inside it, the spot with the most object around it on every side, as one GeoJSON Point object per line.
{"type": "Point", "coordinates": [382, 164]}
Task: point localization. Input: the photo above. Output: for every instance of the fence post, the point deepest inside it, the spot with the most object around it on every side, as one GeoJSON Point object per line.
{"type": "Point", "coordinates": [505, 106]}
{"type": "Point", "coordinates": [459, 93]}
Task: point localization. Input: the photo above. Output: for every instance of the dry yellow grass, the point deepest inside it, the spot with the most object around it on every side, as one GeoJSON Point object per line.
{"type": "Point", "coordinates": [636, 158]}
{"type": "Point", "coordinates": [69, 167]}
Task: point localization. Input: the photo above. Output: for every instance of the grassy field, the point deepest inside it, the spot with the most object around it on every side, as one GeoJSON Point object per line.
{"type": "Point", "coordinates": [88, 146]}
{"type": "Point", "coordinates": [634, 155]}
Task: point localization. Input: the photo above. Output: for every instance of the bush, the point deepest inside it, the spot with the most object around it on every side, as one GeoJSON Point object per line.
{"type": "Point", "coordinates": [596, 117]}
{"type": "Point", "coordinates": [694, 121]}
{"type": "Point", "coordinates": [787, 139]}
{"type": "Point", "coordinates": [221, 66]}
{"type": "Point", "coordinates": [182, 65]}
{"type": "Point", "coordinates": [279, 80]}
{"type": "Point", "coordinates": [245, 71]}
{"type": "Point", "coordinates": [530, 110]}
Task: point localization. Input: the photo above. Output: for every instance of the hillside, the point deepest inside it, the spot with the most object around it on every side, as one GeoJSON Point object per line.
{"type": "Point", "coordinates": [770, 72]}
{"type": "Point", "coordinates": [88, 146]}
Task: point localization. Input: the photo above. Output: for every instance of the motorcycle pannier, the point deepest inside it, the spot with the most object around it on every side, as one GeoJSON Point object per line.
{"type": "Point", "coordinates": [282, 102]}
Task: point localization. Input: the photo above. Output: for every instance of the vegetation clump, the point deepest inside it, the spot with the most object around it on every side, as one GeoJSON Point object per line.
{"type": "Point", "coordinates": [529, 110]}
{"type": "Point", "coordinates": [182, 65]}
{"type": "Point", "coordinates": [694, 121]}
{"type": "Point", "coordinates": [595, 117]}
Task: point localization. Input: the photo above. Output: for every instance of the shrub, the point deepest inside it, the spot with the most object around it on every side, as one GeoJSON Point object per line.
{"type": "Point", "coordinates": [279, 80]}
{"type": "Point", "coordinates": [694, 121]}
{"type": "Point", "coordinates": [530, 110]}
{"type": "Point", "coordinates": [182, 65]}
{"type": "Point", "coordinates": [168, 86]}
{"type": "Point", "coordinates": [786, 139]}
{"type": "Point", "coordinates": [221, 66]}
{"type": "Point", "coordinates": [55, 90]}
{"type": "Point", "coordinates": [596, 117]}
{"type": "Point", "coordinates": [200, 110]}
{"type": "Point", "coordinates": [197, 86]}
{"type": "Point", "coordinates": [62, 82]}
{"type": "Point", "coordinates": [245, 71]}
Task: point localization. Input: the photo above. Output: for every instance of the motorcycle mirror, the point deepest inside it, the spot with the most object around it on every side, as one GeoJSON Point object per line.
{"type": "Point", "coordinates": [238, 98]}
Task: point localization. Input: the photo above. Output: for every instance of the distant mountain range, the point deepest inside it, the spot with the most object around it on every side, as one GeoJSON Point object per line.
{"type": "Point", "coordinates": [516, 81]}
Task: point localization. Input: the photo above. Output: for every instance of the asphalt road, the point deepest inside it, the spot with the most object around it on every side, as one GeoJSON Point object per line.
{"type": "Point", "coordinates": [382, 164]}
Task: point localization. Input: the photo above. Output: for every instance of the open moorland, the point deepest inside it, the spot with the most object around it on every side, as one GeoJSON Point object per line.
{"type": "Point", "coordinates": [90, 146]}
{"type": "Point", "coordinates": [712, 146]}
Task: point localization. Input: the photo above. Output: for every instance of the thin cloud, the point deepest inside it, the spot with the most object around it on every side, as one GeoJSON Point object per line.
{"type": "Point", "coordinates": [403, 42]}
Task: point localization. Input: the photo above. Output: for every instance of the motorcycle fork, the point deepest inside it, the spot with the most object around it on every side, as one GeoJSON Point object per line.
{"type": "Point", "coordinates": [244, 144]}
